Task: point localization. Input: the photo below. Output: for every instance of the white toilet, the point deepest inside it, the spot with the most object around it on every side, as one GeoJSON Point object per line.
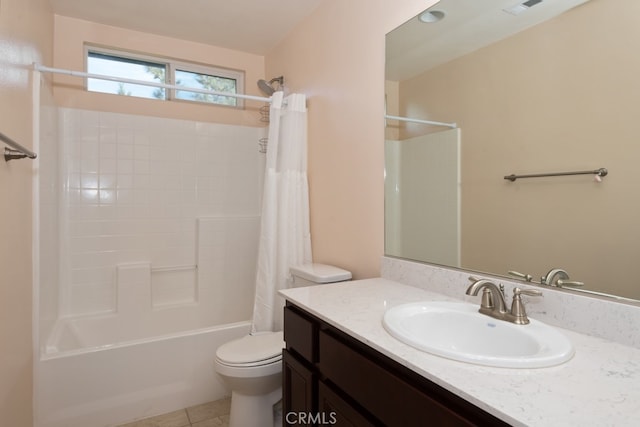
{"type": "Point", "coordinates": [252, 365]}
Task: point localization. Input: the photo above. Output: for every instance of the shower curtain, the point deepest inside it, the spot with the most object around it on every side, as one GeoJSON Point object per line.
{"type": "Point", "coordinates": [285, 238]}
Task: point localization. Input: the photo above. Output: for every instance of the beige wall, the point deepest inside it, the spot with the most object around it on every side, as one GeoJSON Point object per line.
{"type": "Point", "coordinates": [336, 57]}
{"type": "Point", "coordinates": [69, 41]}
{"type": "Point", "coordinates": [25, 36]}
{"type": "Point", "coordinates": [552, 98]}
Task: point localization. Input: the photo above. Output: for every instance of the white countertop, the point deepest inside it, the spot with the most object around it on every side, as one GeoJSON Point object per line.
{"type": "Point", "coordinates": [599, 386]}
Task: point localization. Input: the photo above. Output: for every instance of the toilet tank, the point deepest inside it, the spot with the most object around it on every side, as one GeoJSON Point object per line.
{"type": "Point", "coordinates": [316, 274]}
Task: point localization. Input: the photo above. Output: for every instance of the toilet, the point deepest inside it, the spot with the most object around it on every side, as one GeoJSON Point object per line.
{"type": "Point", "coordinates": [252, 365]}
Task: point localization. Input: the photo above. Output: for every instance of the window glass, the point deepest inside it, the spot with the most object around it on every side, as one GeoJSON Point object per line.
{"type": "Point", "coordinates": [136, 69]}
{"type": "Point", "coordinates": [208, 82]}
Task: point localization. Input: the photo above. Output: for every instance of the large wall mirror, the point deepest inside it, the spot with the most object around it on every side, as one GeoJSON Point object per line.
{"type": "Point", "coordinates": [545, 86]}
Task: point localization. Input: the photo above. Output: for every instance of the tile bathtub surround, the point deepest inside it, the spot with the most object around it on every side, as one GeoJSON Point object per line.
{"type": "Point", "coordinates": [132, 189]}
{"type": "Point", "coordinates": [600, 317]}
{"type": "Point", "coordinates": [212, 414]}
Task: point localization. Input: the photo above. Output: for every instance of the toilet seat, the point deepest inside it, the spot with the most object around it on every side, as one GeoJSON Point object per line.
{"type": "Point", "coordinates": [275, 359]}
{"type": "Point", "coordinates": [260, 349]}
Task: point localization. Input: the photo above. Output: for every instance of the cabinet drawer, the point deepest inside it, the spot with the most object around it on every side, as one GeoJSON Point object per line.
{"type": "Point", "coordinates": [389, 398]}
{"type": "Point", "coordinates": [300, 334]}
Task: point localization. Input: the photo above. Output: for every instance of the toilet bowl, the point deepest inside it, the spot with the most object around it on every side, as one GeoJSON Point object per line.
{"type": "Point", "coordinates": [252, 368]}
{"type": "Point", "coordinates": [252, 365]}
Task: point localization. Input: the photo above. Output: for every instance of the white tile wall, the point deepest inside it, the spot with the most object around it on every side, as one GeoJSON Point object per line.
{"type": "Point", "coordinates": [133, 189]}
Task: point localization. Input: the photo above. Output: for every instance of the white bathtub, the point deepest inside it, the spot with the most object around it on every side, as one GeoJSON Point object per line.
{"type": "Point", "coordinates": [83, 379]}
{"type": "Point", "coordinates": [175, 273]}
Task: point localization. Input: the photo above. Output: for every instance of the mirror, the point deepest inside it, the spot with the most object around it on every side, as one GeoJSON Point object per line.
{"type": "Point", "coordinates": [543, 87]}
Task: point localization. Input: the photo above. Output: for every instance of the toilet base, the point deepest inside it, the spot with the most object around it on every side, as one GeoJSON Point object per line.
{"type": "Point", "coordinates": [252, 410]}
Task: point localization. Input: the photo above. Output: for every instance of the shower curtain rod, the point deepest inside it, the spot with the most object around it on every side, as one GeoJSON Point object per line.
{"type": "Point", "coordinates": [41, 68]}
{"type": "Point", "coordinates": [424, 122]}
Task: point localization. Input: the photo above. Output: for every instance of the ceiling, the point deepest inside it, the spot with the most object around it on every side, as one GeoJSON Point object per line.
{"type": "Point", "coordinates": [254, 26]}
{"type": "Point", "coordinates": [468, 25]}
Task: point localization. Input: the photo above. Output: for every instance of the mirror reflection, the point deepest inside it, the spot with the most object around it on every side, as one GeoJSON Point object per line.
{"type": "Point", "coordinates": [536, 88]}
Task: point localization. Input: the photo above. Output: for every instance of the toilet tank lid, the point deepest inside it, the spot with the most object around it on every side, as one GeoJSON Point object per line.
{"type": "Point", "coordinates": [320, 273]}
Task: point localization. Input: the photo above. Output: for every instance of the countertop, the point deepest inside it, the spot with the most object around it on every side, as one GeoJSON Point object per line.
{"type": "Point", "coordinates": [599, 386]}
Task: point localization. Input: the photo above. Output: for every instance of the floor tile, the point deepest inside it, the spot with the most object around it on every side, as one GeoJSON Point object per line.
{"type": "Point", "coordinates": [172, 419]}
{"type": "Point", "coordinates": [222, 421]}
{"type": "Point", "coordinates": [209, 410]}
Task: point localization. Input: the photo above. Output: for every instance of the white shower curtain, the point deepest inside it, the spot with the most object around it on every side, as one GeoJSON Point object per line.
{"type": "Point", "coordinates": [285, 238]}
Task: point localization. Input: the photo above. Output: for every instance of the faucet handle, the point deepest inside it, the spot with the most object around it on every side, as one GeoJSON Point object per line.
{"type": "Point", "coordinates": [526, 277]}
{"type": "Point", "coordinates": [563, 282]}
{"type": "Point", "coordinates": [517, 306]}
{"type": "Point", "coordinates": [531, 292]}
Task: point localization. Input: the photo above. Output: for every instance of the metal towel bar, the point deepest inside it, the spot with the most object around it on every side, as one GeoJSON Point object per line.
{"type": "Point", "coordinates": [17, 151]}
{"type": "Point", "coordinates": [599, 172]}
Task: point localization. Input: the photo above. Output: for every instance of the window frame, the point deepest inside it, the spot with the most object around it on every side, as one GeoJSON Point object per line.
{"type": "Point", "coordinates": [171, 66]}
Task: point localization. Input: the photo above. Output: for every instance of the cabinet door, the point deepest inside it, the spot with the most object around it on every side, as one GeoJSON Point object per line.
{"type": "Point", "coordinates": [333, 410]}
{"type": "Point", "coordinates": [298, 386]}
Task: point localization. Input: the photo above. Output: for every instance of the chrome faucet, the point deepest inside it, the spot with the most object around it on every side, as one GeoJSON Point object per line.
{"type": "Point", "coordinates": [493, 303]}
{"type": "Point", "coordinates": [559, 278]}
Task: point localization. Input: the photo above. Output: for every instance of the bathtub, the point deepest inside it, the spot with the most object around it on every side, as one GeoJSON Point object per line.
{"type": "Point", "coordinates": [127, 318]}
{"type": "Point", "coordinates": [88, 377]}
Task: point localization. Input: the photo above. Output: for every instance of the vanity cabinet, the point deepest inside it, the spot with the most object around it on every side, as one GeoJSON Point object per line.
{"type": "Point", "coordinates": [330, 378]}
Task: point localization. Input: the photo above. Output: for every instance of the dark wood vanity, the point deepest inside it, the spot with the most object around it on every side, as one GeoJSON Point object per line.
{"type": "Point", "coordinates": [330, 378]}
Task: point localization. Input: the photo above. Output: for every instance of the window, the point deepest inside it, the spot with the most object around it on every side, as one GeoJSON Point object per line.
{"type": "Point", "coordinates": [155, 70]}
{"type": "Point", "coordinates": [129, 68]}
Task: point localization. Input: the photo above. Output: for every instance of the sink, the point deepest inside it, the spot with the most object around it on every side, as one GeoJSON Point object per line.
{"type": "Point", "coordinates": [457, 331]}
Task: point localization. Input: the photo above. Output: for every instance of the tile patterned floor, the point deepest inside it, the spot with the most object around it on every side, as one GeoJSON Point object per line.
{"type": "Point", "coordinates": [212, 414]}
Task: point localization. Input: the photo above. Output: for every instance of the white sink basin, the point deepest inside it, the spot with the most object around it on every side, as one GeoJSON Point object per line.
{"type": "Point", "coordinates": [457, 331]}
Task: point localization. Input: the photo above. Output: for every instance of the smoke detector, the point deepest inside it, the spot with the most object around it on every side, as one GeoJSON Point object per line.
{"type": "Point", "coordinates": [522, 7]}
